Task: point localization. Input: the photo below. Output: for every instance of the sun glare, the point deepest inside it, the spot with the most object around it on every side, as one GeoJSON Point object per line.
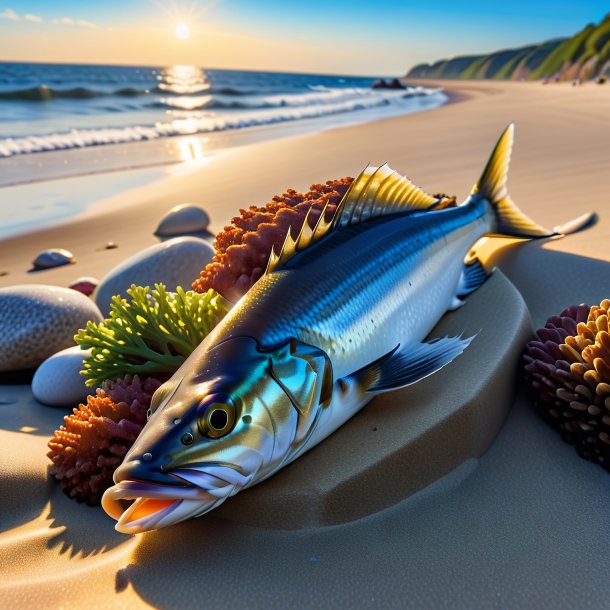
{"type": "Point", "coordinates": [182, 31]}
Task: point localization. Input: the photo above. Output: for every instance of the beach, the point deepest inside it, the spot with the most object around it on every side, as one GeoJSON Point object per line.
{"type": "Point", "coordinates": [524, 523]}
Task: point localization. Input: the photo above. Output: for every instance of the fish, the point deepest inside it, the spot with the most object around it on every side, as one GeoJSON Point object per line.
{"type": "Point", "coordinates": [340, 315]}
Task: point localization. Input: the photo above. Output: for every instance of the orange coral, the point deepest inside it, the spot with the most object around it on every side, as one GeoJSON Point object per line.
{"type": "Point", "coordinates": [243, 247]}
{"type": "Point", "coordinates": [93, 441]}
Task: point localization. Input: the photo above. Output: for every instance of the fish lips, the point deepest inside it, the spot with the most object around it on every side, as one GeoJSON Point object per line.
{"type": "Point", "coordinates": [140, 506]}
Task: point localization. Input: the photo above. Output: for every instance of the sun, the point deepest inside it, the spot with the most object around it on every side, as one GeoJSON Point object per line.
{"type": "Point", "coordinates": [182, 31]}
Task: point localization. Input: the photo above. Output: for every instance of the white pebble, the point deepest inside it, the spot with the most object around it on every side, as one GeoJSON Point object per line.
{"type": "Point", "coordinates": [58, 382]}
{"type": "Point", "coordinates": [183, 219]}
{"type": "Point", "coordinates": [175, 262]}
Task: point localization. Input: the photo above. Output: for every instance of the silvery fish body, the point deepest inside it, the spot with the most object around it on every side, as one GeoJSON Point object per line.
{"type": "Point", "coordinates": [340, 315]}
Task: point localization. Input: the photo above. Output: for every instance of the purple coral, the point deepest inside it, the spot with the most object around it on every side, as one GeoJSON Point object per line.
{"type": "Point", "coordinates": [567, 367]}
{"type": "Point", "coordinates": [93, 441]}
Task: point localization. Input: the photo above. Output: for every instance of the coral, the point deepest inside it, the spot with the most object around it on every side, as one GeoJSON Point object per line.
{"type": "Point", "coordinates": [93, 441]}
{"type": "Point", "coordinates": [243, 247]}
{"type": "Point", "coordinates": [152, 333]}
{"type": "Point", "coordinates": [567, 368]}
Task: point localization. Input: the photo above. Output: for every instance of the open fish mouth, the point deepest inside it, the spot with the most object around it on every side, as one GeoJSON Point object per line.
{"type": "Point", "coordinates": [140, 506]}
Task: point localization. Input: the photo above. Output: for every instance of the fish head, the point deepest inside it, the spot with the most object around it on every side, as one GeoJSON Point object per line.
{"type": "Point", "coordinates": [227, 418]}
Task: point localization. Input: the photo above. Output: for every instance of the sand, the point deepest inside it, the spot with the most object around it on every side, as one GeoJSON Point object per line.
{"type": "Point", "coordinates": [524, 524]}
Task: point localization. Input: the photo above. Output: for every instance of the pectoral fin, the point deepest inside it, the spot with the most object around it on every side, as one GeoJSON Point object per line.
{"type": "Point", "coordinates": [402, 367]}
{"type": "Point", "coordinates": [473, 276]}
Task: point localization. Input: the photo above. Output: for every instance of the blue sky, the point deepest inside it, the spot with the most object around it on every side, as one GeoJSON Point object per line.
{"type": "Point", "coordinates": [318, 35]}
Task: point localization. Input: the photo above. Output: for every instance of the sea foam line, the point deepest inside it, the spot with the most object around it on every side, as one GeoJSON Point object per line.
{"type": "Point", "coordinates": [80, 138]}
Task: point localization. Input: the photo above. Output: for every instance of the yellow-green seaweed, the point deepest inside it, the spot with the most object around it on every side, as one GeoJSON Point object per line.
{"type": "Point", "coordinates": [153, 332]}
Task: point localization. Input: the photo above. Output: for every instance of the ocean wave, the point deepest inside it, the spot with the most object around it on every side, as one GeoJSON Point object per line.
{"type": "Point", "coordinates": [215, 97]}
{"type": "Point", "coordinates": [317, 97]}
{"type": "Point", "coordinates": [44, 93]}
{"type": "Point", "coordinates": [231, 91]}
{"type": "Point", "coordinates": [79, 138]}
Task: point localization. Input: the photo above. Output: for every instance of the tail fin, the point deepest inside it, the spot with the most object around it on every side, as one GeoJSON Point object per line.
{"type": "Point", "coordinates": [509, 219]}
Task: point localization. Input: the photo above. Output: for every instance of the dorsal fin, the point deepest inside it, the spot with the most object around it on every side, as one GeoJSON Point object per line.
{"type": "Point", "coordinates": [306, 237]}
{"type": "Point", "coordinates": [376, 192]}
{"type": "Point", "coordinates": [380, 191]}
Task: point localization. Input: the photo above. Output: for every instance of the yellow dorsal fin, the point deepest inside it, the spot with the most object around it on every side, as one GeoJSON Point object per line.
{"type": "Point", "coordinates": [380, 191]}
{"type": "Point", "coordinates": [306, 237]}
{"type": "Point", "coordinates": [377, 191]}
{"type": "Point", "coordinates": [322, 226]}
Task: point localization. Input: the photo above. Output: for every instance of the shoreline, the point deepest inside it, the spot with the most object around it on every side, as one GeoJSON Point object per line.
{"type": "Point", "coordinates": [165, 148]}
{"type": "Point", "coordinates": [54, 184]}
{"type": "Point", "coordinates": [152, 192]}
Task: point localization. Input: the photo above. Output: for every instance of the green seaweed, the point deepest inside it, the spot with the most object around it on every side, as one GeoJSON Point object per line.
{"type": "Point", "coordinates": [154, 332]}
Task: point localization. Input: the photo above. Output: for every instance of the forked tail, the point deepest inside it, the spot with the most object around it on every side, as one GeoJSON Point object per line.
{"type": "Point", "coordinates": [509, 219]}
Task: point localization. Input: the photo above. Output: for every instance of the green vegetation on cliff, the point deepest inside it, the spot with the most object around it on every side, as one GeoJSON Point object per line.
{"type": "Point", "coordinates": [584, 55]}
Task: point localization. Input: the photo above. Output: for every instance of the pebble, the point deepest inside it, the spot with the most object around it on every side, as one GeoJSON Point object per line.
{"type": "Point", "coordinates": [183, 219]}
{"type": "Point", "coordinates": [54, 257]}
{"type": "Point", "coordinates": [86, 285]}
{"type": "Point", "coordinates": [57, 381]}
{"type": "Point", "coordinates": [37, 320]}
{"type": "Point", "coordinates": [175, 262]}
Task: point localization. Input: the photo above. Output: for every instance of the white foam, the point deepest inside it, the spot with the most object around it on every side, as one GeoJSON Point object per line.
{"type": "Point", "coordinates": [329, 102]}
{"type": "Point", "coordinates": [318, 95]}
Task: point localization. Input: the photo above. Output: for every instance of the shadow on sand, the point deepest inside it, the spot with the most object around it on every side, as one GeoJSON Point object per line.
{"type": "Point", "coordinates": [86, 530]}
{"type": "Point", "coordinates": [550, 281]}
{"type": "Point", "coordinates": [21, 412]}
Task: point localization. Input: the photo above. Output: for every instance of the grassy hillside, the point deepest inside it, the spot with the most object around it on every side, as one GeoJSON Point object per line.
{"type": "Point", "coordinates": [584, 55]}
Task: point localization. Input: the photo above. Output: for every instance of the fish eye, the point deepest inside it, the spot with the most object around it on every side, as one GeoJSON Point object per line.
{"type": "Point", "coordinates": [217, 416]}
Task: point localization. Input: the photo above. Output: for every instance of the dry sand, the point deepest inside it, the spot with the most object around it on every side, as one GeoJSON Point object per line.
{"type": "Point", "coordinates": [524, 525]}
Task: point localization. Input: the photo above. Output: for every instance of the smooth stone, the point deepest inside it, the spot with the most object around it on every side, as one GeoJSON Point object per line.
{"type": "Point", "coordinates": [404, 441]}
{"type": "Point", "coordinates": [183, 219]}
{"type": "Point", "coordinates": [85, 285]}
{"type": "Point", "coordinates": [37, 321]}
{"type": "Point", "coordinates": [57, 381]}
{"type": "Point", "coordinates": [175, 262]}
{"type": "Point", "coordinates": [54, 257]}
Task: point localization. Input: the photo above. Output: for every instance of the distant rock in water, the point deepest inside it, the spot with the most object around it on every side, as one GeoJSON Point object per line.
{"type": "Point", "coordinates": [174, 262]}
{"type": "Point", "coordinates": [37, 321]}
{"type": "Point", "coordinates": [183, 219]}
{"type": "Point", "coordinates": [54, 257]}
{"type": "Point", "coordinates": [390, 84]}
{"type": "Point", "coordinates": [583, 56]}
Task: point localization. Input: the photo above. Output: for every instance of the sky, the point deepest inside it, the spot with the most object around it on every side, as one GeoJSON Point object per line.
{"type": "Point", "coordinates": [339, 37]}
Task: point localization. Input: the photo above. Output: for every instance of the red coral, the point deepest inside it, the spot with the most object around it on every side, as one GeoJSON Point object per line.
{"type": "Point", "coordinates": [243, 247]}
{"type": "Point", "coordinates": [93, 441]}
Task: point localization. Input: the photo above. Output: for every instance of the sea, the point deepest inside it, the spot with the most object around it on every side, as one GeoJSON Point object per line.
{"type": "Point", "coordinates": [101, 110]}
{"type": "Point", "coordinates": [47, 107]}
